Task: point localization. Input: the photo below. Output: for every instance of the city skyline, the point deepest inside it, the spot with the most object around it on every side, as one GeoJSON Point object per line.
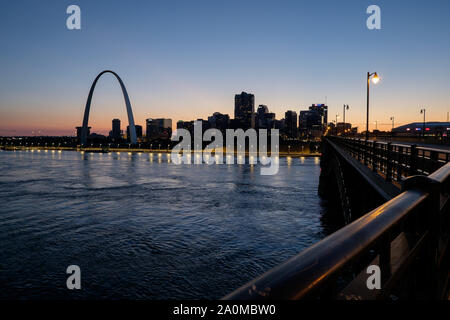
{"type": "Point", "coordinates": [289, 57]}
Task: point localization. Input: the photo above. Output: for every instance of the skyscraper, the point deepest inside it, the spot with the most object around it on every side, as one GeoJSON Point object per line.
{"type": "Point", "coordinates": [313, 122]}
{"type": "Point", "coordinates": [116, 132]}
{"type": "Point", "coordinates": [264, 119]}
{"type": "Point", "coordinates": [291, 123]}
{"type": "Point", "coordinates": [219, 121]}
{"type": "Point", "coordinates": [244, 110]}
{"type": "Point", "coordinates": [158, 128]}
{"type": "Point", "coordinates": [322, 110]}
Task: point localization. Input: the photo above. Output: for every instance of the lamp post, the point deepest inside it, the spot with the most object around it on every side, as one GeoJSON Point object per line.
{"type": "Point", "coordinates": [392, 118]}
{"type": "Point", "coordinates": [337, 117]}
{"type": "Point", "coordinates": [375, 79]}
{"type": "Point", "coordinates": [346, 107]}
{"type": "Point", "coordinates": [423, 127]}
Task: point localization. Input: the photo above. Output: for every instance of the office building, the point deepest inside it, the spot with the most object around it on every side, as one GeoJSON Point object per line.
{"type": "Point", "coordinates": [244, 110]}
{"type": "Point", "coordinates": [115, 133]}
{"type": "Point", "coordinates": [291, 124]}
{"type": "Point", "coordinates": [158, 128]}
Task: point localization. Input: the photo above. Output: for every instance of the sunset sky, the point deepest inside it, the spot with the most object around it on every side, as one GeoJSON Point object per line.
{"type": "Point", "coordinates": [187, 59]}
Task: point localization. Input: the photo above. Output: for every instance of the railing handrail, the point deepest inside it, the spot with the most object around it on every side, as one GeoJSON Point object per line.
{"type": "Point", "coordinates": [311, 268]}
{"type": "Point", "coordinates": [307, 270]}
{"type": "Point", "coordinates": [401, 145]}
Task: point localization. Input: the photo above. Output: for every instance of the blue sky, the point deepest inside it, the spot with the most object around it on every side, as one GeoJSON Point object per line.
{"type": "Point", "coordinates": [186, 59]}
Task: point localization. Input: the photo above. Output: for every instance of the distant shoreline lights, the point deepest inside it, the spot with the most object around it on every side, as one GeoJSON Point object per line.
{"type": "Point", "coordinates": [257, 148]}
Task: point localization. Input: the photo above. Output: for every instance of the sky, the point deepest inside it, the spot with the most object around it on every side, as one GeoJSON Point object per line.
{"type": "Point", "coordinates": [185, 60]}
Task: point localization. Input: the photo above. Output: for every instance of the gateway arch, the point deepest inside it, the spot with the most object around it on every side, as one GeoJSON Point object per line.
{"type": "Point", "coordinates": [84, 129]}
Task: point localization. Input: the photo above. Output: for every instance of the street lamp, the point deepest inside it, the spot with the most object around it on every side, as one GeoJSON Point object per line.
{"type": "Point", "coordinates": [375, 80]}
{"type": "Point", "coordinates": [392, 118]}
{"type": "Point", "coordinates": [346, 107]}
{"type": "Point", "coordinates": [423, 129]}
{"type": "Point", "coordinates": [337, 117]}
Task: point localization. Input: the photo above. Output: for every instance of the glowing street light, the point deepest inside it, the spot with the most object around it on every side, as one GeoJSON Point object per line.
{"type": "Point", "coordinates": [423, 129]}
{"type": "Point", "coordinates": [375, 80]}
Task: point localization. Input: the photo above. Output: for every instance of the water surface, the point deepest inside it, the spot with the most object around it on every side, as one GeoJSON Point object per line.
{"type": "Point", "coordinates": [142, 228]}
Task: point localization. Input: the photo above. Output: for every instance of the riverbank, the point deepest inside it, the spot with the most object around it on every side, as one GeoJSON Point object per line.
{"type": "Point", "coordinates": [137, 150]}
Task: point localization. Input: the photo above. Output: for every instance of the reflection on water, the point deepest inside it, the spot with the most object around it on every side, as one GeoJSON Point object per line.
{"type": "Point", "coordinates": [141, 227]}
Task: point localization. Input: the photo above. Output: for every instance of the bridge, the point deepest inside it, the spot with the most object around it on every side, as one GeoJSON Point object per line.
{"type": "Point", "coordinates": [394, 200]}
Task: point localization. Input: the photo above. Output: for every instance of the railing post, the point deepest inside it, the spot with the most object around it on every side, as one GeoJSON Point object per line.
{"type": "Point", "coordinates": [399, 164]}
{"type": "Point", "coordinates": [434, 155]}
{"type": "Point", "coordinates": [374, 156]}
{"type": "Point", "coordinates": [389, 162]}
{"type": "Point", "coordinates": [431, 211]}
{"type": "Point", "coordinates": [385, 258]}
{"type": "Point", "coordinates": [413, 160]}
{"type": "Point", "coordinates": [366, 152]}
{"type": "Point", "coordinates": [358, 148]}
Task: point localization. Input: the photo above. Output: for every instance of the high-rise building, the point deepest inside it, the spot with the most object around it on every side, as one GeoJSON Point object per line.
{"type": "Point", "coordinates": [116, 132]}
{"type": "Point", "coordinates": [264, 119]}
{"type": "Point", "coordinates": [262, 109]}
{"type": "Point", "coordinates": [188, 125]}
{"type": "Point", "coordinates": [219, 121]}
{"type": "Point", "coordinates": [291, 124]}
{"type": "Point", "coordinates": [244, 110]}
{"type": "Point", "coordinates": [158, 128]}
{"type": "Point", "coordinates": [313, 122]}
{"type": "Point", "coordinates": [279, 124]}
{"type": "Point", "coordinates": [260, 116]}
{"type": "Point", "coordinates": [322, 110]}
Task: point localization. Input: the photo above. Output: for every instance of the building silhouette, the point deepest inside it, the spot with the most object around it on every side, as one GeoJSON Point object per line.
{"type": "Point", "coordinates": [115, 133]}
{"type": "Point", "coordinates": [291, 124]}
{"type": "Point", "coordinates": [264, 119]}
{"type": "Point", "coordinates": [431, 128]}
{"type": "Point", "coordinates": [158, 129]}
{"type": "Point", "coordinates": [313, 122]}
{"type": "Point", "coordinates": [219, 121]}
{"type": "Point", "coordinates": [244, 110]}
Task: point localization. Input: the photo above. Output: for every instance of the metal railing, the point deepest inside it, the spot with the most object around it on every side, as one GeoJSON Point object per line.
{"type": "Point", "coordinates": [405, 237]}
{"type": "Point", "coordinates": [395, 161]}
